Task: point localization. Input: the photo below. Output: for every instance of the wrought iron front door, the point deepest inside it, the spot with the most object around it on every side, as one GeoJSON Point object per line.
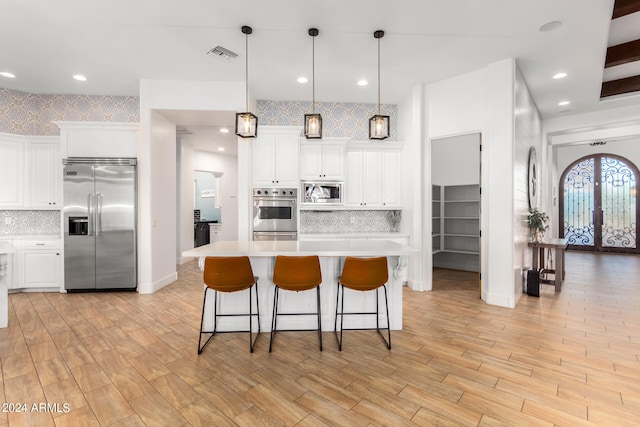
{"type": "Point", "coordinates": [599, 204]}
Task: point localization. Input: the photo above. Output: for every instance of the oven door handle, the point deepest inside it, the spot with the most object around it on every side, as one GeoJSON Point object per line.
{"type": "Point", "coordinates": [258, 200]}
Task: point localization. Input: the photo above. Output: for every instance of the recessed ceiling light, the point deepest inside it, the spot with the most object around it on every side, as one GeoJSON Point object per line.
{"type": "Point", "coordinates": [80, 78]}
{"type": "Point", "coordinates": [302, 80]}
{"type": "Point", "coordinates": [7, 75]}
{"type": "Point", "coordinates": [362, 82]}
{"type": "Point", "coordinates": [549, 26]}
{"type": "Point", "coordinates": [563, 103]}
{"type": "Point", "coordinates": [224, 130]}
{"type": "Point", "coordinates": [560, 75]}
{"type": "Point", "coordinates": [220, 148]}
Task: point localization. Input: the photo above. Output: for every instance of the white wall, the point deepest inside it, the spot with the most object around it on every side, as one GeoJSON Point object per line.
{"type": "Point", "coordinates": [411, 133]}
{"type": "Point", "coordinates": [629, 149]}
{"type": "Point", "coordinates": [482, 101]}
{"type": "Point", "coordinates": [455, 160]}
{"type": "Point", "coordinates": [157, 168]}
{"type": "Point", "coordinates": [528, 133]}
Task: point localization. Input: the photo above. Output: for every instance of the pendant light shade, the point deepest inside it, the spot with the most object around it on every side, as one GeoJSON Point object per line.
{"type": "Point", "coordinates": [379, 127]}
{"type": "Point", "coordinates": [247, 122]}
{"type": "Point", "coordinates": [313, 121]}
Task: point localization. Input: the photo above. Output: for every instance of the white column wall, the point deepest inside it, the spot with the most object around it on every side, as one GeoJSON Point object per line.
{"type": "Point", "coordinates": [528, 133]}
{"type": "Point", "coordinates": [157, 168]}
{"type": "Point", "coordinates": [411, 132]}
{"type": "Point", "coordinates": [482, 101]}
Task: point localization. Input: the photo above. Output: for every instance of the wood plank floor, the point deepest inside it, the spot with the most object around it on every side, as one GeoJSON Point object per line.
{"type": "Point", "coordinates": [123, 359]}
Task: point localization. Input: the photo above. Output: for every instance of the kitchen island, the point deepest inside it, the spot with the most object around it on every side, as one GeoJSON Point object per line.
{"type": "Point", "coordinates": [6, 249]}
{"type": "Point", "coordinates": [331, 253]}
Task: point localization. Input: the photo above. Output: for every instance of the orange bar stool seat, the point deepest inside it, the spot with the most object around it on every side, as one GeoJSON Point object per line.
{"type": "Point", "coordinates": [362, 275]}
{"type": "Point", "coordinates": [296, 273]}
{"type": "Point", "coordinates": [229, 274]}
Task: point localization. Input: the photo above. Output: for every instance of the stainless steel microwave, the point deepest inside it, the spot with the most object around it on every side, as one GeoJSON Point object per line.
{"type": "Point", "coordinates": [326, 193]}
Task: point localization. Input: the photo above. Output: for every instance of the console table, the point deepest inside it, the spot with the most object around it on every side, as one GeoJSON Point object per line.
{"type": "Point", "coordinates": [558, 245]}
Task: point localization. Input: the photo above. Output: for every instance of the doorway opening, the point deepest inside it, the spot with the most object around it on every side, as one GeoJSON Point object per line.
{"type": "Point", "coordinates": [207, 207]}
{"type": "Point", "coordinates": [599, 207]}
{"type": "Point", "coordinates": [455, 178]}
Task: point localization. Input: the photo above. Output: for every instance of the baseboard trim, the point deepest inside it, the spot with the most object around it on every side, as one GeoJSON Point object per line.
{"type": "Point", "coordinates": [149, 288]}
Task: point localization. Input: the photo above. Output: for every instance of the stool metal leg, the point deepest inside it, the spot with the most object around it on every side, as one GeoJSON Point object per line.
{"type": "Point", "coordinates": [387, 341]}
{"type": "Point", "coordinates": [319, 318]}
{"type": "Point", "coordinates": [274, 317]}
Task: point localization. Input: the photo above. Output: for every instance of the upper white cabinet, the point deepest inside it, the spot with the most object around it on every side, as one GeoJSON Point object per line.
{"type": "Point", "coordinates": [30, 172]}
{"type": "Point", "coordinates": [276, 157]}
{"type": "Point", "coordinates": [12, 150]}
{"type": "Point", "coordinates": [44, 179]}
{"type": "Point", "coordinates": [322, 161]}
{"type": "Point", "coordinates": [98, 139]}
{"type": "Point", "coordinates": [373, 176]}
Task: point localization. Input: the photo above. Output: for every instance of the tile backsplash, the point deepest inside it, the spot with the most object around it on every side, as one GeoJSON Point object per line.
{"type": "Point", "coordinates": [23, 222]}
{"type": "Point", "coordinates": [349, 221]}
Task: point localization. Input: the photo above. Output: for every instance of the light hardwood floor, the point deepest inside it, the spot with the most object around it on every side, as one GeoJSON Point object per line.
{"type": "Point", "coordinates": [116, 359]}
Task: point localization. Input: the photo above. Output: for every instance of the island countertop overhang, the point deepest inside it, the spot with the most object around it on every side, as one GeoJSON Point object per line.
{"type": "Point", "coordinates": [322, 248]}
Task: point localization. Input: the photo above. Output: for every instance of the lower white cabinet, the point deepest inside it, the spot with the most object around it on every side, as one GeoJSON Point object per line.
{"type": "Point", "coordinates": [39, 264]}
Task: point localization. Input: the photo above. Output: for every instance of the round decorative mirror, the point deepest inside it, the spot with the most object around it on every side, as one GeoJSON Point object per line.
{"type": "Point", "coordinates": [532, 178]}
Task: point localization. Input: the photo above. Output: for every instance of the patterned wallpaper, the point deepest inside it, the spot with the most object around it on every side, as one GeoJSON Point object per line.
{"type": "Point", "coordinates": [30, 222]}
{"type": "Point", "coordinates": [340, 221]}
{"type": "Point", "coordinates": [339, 119]}
{"type": "Point", "coordinates": [23, 113]}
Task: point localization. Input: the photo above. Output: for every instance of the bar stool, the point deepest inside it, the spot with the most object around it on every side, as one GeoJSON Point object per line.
{"type": "Point", "coordinates": [229, 274]}
{"type": "Point", "coordinates": [363, 274]}
{"type": "Point", "coordinates": [296, 273]}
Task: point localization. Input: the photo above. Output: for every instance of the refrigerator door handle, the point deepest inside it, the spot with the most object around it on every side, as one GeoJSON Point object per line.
{"type": "Point", "coordinates": [90, 213]}
{"type": "Point", "coordinates": [98, 214]}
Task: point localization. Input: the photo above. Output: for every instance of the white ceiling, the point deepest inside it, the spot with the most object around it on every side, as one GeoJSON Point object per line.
{"type": "Point", "coordinates": [117, 42]}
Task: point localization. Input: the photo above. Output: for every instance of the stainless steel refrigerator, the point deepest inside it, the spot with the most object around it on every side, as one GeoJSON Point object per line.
{"type": "Point", "coordinates": [99, 224]}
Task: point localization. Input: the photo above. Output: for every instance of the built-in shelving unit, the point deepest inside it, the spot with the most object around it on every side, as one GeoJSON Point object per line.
{"type": "Point", "coordinates": [456, 227]}
{"type": "Point", "coordinates": [436, 209]}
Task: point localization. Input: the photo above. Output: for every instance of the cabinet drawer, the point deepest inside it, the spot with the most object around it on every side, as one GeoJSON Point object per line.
{"type": "Point", "coordinates": [41, 244]}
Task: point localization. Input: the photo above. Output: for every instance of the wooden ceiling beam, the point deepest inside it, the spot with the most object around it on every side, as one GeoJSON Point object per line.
{"type": "Point", "coordinates": [618, 87]}
{"type": "Point", "coordinates": [622, 54]}
{"type": "Point", "coordinates": [625, 7]}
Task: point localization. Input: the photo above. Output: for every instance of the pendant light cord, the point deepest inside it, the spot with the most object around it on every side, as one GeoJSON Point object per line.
{"type": "Point", "coordinates": [246, 69]}
{"type": "Point", "coordinates": [378, 76]}
{"type": "Point", "coordinates": [313, 75]}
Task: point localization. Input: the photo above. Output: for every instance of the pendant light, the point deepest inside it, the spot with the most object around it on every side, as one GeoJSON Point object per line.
{"type": "Point", "coordinates": [247, 122]}
{"type": "Point", "coordinates": [313, 121]}
{"type": "Point", "coordinates": [379, 124]}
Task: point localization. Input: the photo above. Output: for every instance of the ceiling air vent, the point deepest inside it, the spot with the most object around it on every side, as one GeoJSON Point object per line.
{"type": "Point", "coordinates": [222, 53]}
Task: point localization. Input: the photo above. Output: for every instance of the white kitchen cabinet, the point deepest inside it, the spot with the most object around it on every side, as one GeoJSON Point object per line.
{"type": "Point", "coordinates": [39, 264]}
{"type": "Point", "coordinates": [44, 177]}
{"type": "Point", "coordinates": [373, 177]}
{"type": "Point", "coordinates": [322, 161]}
{"type": "Point", "coordinates": [276, 157]}
{"type": "Point", "coordinates": [12, 150]}
{"type": "Point", "coordinates": [391, 174]}
{"type": "Point", "coordinates": [364, 178]}
{"type": "Point", "coordinates": [215, 232]}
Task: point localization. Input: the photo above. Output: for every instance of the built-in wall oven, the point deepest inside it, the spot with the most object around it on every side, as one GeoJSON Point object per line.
{"type": "Point", "coordinates": [275, 214]}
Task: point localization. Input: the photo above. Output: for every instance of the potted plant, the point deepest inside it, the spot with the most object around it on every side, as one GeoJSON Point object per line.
{"type": "Point", "coordinates": [537, 221]}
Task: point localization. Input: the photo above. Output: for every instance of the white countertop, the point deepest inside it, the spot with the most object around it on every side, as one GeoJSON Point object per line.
{"type": "Point", "coordinates": [29, 236]}
{"type": "Point", "coordinates": [328, 248]}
